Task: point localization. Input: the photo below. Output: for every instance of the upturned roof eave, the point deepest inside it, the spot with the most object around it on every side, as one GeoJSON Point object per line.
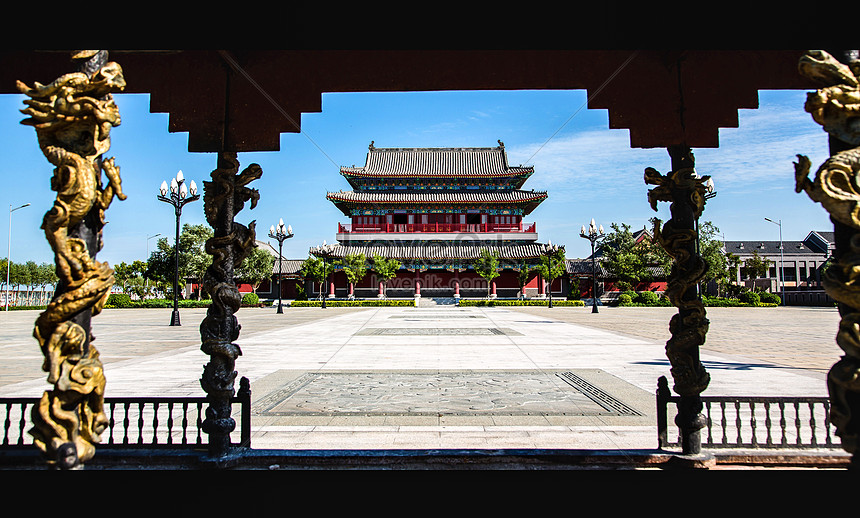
{"type": "Point", "coordinates": [344, 205]}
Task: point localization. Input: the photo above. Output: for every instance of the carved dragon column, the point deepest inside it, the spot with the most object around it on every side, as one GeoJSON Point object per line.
{"type": "Point", "coordinates": [685, 190]}
{"type": "Point", "coordinates": [72, 117]}
{"type": "Point", "coordinates": [836, 187]}
{"type": "Point", "coordinates": [224, 196]}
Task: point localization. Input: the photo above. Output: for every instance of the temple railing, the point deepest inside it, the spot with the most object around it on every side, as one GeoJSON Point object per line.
{"type": "Point", "coordinates": [409, 228]}
{"type": "Point", "coordinates": [135, 422]}
{"type": "Point", "coordinates": [743, 422]}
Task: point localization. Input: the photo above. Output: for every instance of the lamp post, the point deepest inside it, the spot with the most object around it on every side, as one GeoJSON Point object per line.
{"type": "Point", "coordinates": [147, 244]}
{"type": "Point", "coordinates": [325, 252]}
{"type": "Point", "coordinates": [281, 235]}
{"type": "Point", "coordinates": [179, 196]}
{"type": "Point", "coordinates": [593, 234]}
{"type": "Point", "coordinates": [779, 271]}
{"type": "Point", "coordinates": [145, 280]}
{"type": "Point", "coordinates": [9, 253]}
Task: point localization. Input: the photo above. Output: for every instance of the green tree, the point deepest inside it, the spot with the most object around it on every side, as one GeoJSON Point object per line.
{"type": "Point", "coordinates": [316, 269]}
{"type": "Point", "coordinates": [32, 280]}
{"type": "Point", "coordinates": [46, 275]}
{"type": "Point", "coordinates": [711, 250]}
{"type": "Point", "coordinates": [487, 266]}
{"type": "Point", "coordinates": [193, 259]}
{"type": "Point", "coordinates": [19, 276]}
{"type": "Point", "coordinates": [523, 274]}
{"type": "Point", "coordinates": [631, 261]}
{"type": "Point", "coordinates": [757, 266]}
{"type": "Point", "coordinates": [386, 269]}
{"type": "Point", "coordinates": [256, 268]}
{"type": "Point", "coordinates": [354, 267]}
{"type": "Point", "coordinates": [551, 267]}
{"type": "Point", "coordinates": [733, 264]}
{"type": "Point", "coordinates": [122, 275]}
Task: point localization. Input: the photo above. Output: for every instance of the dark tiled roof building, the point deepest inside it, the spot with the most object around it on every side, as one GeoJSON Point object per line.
{"type": "Point", "coordinates": [434, 210]}
{"type": "Point", "coordinates": [795, 265]}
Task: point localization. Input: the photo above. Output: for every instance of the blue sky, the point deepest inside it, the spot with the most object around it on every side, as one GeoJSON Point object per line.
{"type": "Point", "coordinates": [588, 170]}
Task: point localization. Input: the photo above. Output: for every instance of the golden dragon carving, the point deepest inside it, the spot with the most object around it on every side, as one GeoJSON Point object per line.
{"type": "Point", "coordinates": [836, 107]}
{"type": "Point", "coordinates": [72, 117]}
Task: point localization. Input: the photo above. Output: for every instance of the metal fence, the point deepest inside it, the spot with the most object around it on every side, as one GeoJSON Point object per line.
{"type": "Point", "coordinates": [753, 422]}
{"type": "Point", "coordinates": [136, 422]}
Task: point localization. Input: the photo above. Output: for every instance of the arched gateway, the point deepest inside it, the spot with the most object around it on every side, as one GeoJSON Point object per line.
{"type": "Point", "coordinates": [434, 210]}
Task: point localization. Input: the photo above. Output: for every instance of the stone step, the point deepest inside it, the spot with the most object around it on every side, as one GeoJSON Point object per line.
{"type": "Point", "coordinates": [425, 302]}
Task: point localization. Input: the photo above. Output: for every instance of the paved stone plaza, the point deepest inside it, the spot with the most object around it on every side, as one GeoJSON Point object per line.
{"type": "Point", "coordinates": [448, 377]}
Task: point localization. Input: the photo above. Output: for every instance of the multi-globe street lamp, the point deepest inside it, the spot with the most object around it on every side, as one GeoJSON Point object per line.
{"type": "Point", "coordinates": [179, 195]}
{"type": "Point", "coordinates": [281, 234]}
{"type": "Point", "coordinates": [9, 253]}
{"type": "Point", "coordinates": [593, 234]}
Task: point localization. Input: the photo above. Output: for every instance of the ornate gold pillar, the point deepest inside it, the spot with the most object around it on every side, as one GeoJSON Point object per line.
{"type": "Point", "coordinates": [224, 196]}
{"type": "Point", "coordinates": [685, 190]}
{"type": "Point", "coordinates": [72, 117]}
{"type": "Point", "coordinates": [835, 106]}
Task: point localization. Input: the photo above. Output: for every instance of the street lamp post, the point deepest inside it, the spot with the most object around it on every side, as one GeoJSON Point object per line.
{"type": "Point", "coordinates": [147, 244]}
{"type": "Point", "coordinates": [593, 234]}
{"type": "Point", "coordinates": [325, 251]}
{"type": "Point", "coordinates": [281, 235]}
{"type": "Point", "coordinates": [146, 280]}
{"type": "Point", "coordinates": [179, 196]}
{"type": "Point", "coordinates": [9, 253]}
{"type": "Point", "coordinates": [780, 277]}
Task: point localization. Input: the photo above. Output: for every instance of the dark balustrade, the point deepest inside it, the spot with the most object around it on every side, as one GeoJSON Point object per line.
{"type": "Point", "coordinates": [134, 422]}
{"type": "Point", "coordinates": [735, 422]}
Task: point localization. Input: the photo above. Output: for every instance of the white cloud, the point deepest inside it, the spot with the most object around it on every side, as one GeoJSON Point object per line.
{"type": "Point", "coordinates": [758, 154]}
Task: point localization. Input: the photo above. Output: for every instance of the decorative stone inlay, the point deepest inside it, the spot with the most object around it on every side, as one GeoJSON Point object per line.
{"type": "Point", "coordinates": [464, 393]}
{"type": "Point", "coordinates": [435, 316]}
{"type": "Point", "coordinates": [436, 331]}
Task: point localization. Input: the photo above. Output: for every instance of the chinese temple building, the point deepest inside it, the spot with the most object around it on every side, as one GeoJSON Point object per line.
{"type": "Point", "coordinates": [434, 210]}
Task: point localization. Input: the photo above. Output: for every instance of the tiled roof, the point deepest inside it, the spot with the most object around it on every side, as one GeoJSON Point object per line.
{"type": "Point", "coordinates": [583, 266]}
{"type": "Point", "coordinates": [769, 248]}
{"type": "Point", "coordinates": [436, 162]}
{"type": "Point", "coordinates": [288, 266]}
{"type": "Point", "coordinates": [436, 252]}
{"type": "Point", "coordinates": [437, 196]}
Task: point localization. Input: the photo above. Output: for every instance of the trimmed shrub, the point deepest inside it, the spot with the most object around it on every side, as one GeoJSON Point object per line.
{"type": "Point", "coordinates": [118, 300]}
{"type": "Point", "coordinates": [771, 298]}
{"type": "Point", "coordinates": [646, 297]}
{"type": "Point", "coordinates": [749, 297]}
{"type": "Point", "coordinates": [250, 299]}
{"type": "Point", "coordinates": [350, 303]}
{"type": "Point", "coordinates": [496, 302]}
{"type": "Point", "coordinates": [625, 299]}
